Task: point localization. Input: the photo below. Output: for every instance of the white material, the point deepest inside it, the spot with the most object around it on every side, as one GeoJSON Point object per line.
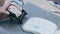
{"type": "Point", "coordinates": [57, 32]}
{"type": "Point", "coordinates": [39, 25]}
{"type": "Point", "coordinates": [46, 5]}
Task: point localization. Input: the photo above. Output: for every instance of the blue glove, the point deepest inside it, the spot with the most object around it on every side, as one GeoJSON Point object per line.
{"type": "Point", "coordinates": [20, 3]}
{"type": "Point", "coordinates": [57, 3]}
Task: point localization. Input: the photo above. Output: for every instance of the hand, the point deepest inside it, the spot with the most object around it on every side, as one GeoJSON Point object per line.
{"type": "Point", "coordinates": [3, 14]}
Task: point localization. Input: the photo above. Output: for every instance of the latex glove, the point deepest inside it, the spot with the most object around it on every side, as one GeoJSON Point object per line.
{"type": "Point", "coordinates": [3, 14]}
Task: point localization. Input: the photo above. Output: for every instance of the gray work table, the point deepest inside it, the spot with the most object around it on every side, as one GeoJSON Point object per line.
{"type": "Point", "coordinates": [33, 11]}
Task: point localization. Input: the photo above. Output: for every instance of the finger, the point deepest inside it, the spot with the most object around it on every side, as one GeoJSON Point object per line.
{"type": "Point", "coordinates": [3, 17]}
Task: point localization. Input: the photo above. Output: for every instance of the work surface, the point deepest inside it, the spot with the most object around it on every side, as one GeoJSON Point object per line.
{"type": "Point", "coordinates": [33, 11]}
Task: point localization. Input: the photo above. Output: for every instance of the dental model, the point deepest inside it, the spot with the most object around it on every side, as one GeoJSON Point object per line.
{"type": "Point", "coordinates": [16, 12]}
{"type": "Point", "coordinates": [39, 26]}
{"type": "Point", "coordinates": [14, 8]}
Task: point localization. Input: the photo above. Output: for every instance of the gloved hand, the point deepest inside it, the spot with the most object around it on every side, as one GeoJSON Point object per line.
{"type": "Point", "coordinates": [3, 14]}
{"type": "Point", "coordinates": [4, 5]}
